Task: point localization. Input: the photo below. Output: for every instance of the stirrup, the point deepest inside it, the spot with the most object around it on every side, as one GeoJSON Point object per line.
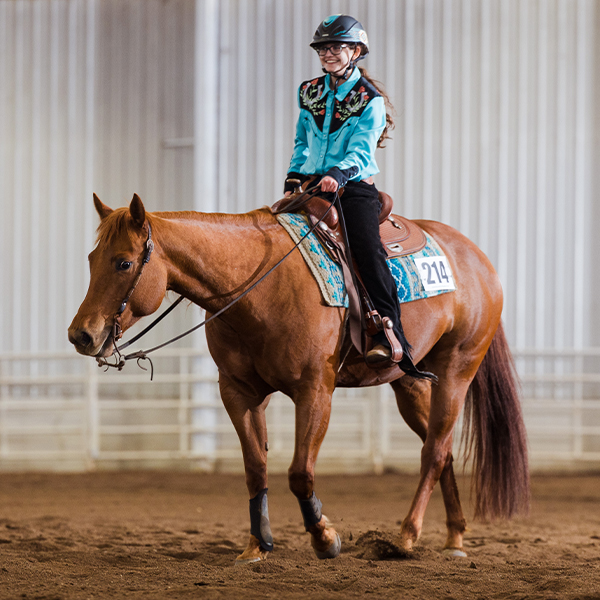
{"type": "Point", "coordinates": [382, 355]}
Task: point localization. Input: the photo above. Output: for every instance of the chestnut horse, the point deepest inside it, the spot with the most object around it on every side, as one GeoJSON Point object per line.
{"type": "Point", "coordinates": [281, 336]}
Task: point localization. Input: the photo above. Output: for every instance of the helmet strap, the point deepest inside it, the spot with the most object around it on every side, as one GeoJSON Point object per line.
{"type": "Point", "coordinates": [347, 72]}
{"type": "Point", "coordinates": [351, 66]}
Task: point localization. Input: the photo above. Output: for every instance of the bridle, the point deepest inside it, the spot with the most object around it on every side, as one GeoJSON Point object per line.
{"type": "Point", "coordinates": [120, 359]}
{"type": "Point", "coordinates": [149, 247]}
{"type": "Point", "coordinates": [117, 329]}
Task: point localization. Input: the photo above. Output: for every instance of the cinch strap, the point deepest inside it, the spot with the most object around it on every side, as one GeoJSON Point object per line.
{"type": "Point", "coordinates": [260, 527]}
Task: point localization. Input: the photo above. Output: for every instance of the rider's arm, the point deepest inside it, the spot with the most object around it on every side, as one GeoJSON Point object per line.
{"type": "Point", "coordinates": [301, 150]}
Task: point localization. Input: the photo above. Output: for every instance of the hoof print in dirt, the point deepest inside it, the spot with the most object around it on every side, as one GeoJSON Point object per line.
{"type": "Point", "coordinates": [375, 545]}
{"type": "Point", "coordinates": [266, 567]}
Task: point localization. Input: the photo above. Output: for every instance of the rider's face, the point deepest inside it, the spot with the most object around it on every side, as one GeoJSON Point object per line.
{"type": "Point", "coordinates": [337, 64]}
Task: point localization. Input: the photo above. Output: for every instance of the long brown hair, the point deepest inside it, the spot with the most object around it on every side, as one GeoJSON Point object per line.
{"type": "Point", "coordinates": [389, 108]}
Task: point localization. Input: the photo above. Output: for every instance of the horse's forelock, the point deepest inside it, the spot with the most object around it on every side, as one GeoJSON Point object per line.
{"type": "Point", "coordinates": [117, 223]}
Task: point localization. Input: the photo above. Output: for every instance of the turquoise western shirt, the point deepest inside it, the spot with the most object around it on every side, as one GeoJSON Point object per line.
{"type": "Point", "coordinates": [338, 133]}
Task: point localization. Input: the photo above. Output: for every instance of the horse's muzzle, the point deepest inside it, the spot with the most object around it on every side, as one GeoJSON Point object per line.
{"type": "Point", "coordinates": [86, 344]}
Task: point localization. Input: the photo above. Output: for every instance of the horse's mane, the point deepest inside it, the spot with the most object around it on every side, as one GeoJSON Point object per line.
{"type": "Point", "coordinates": [119, 221]}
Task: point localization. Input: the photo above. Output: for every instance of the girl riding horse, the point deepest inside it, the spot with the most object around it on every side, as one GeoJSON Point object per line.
{"type": "Point", "coordinates": [342, 121]}
{"type": "Point", "coordinates": [282, 337]}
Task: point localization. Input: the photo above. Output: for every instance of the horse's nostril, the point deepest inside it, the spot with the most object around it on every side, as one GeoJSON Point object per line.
{"type": "Point", "coordinates": [81, 338]}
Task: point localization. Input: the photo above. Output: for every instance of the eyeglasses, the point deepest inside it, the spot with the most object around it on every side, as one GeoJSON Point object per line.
{"type": "Point", "coordinates": [335, 49]}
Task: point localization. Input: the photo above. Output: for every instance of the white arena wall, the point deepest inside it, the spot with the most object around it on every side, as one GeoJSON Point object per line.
{"type": "Point", "coordinates": [192, 104]}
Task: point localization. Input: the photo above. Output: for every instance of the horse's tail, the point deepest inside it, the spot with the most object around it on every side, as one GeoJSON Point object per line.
{"type": "Point", "coordinates": [495, 433]}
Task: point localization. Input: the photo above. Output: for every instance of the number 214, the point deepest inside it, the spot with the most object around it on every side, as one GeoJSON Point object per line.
{"type": "Point", "coordinates": [440, 272]}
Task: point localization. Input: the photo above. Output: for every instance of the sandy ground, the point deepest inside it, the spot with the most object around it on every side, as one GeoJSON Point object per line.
{"type": "Point", "coordinates": [176, 535]}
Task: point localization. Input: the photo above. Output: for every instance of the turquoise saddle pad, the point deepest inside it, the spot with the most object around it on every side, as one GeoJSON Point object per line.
{"type": "Point", "coordinates": [410, 275]}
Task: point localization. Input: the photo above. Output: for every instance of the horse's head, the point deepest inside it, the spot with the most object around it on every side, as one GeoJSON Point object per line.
{"type": "Point", "coordinates": [114, 266]}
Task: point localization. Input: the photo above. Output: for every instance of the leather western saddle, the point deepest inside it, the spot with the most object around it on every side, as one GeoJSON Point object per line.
{"type": "Point", "coordinates": [399, 237]}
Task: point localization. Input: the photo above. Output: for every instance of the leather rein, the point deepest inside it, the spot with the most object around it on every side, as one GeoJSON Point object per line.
{"type": "Point", "coordinates": [120, 359]}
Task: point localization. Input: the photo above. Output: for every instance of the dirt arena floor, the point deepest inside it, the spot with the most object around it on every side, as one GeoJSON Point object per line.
{"type": "Point", "coordinates": [176, 535]}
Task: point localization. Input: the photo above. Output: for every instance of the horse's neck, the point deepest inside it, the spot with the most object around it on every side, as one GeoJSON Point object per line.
{"type": "Point", "coordinates": [211, 258]}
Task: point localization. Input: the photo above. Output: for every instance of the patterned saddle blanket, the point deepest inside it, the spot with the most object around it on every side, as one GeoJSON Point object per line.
{"type": "Point", "coordinates": [419, 275]}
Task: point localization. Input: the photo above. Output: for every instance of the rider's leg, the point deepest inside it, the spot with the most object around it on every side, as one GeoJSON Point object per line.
{"type": "Point", "coordinates": [361, 206]}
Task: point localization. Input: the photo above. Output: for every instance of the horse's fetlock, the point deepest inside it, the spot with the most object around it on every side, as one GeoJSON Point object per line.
{"type": "Point", "coordinates": [410, 529]}
{"type": "Point", "coordinates": [457, 525]}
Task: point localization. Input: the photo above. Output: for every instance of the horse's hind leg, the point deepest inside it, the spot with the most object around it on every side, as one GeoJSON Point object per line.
{"type": "Point", "coordinates": [246, 408]}
{"type": "Point", "coordinates": [312, 418]}
{"type": "Point", "coordinates": [414, 400]}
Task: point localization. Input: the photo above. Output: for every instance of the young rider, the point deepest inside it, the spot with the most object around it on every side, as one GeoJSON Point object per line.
{"type": "Point", "coordinates": [342, 121]}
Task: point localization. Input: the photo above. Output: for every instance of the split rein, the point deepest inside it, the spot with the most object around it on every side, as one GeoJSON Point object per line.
{"type": "Point", "coordinates": [120, 360]}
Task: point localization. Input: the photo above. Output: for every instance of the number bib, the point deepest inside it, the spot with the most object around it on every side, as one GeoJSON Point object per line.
{"type": "Point", "coordinates": [435, 273]}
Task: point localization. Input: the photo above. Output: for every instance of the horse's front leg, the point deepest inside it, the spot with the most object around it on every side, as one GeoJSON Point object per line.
{"type": "Point", "coordinates": [312, 418]}
{"type": "Point", "coordinates": [246, 410]}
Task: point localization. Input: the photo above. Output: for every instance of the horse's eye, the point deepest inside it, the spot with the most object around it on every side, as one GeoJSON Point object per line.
{"type": "Point", "coordinates": [123, 265]}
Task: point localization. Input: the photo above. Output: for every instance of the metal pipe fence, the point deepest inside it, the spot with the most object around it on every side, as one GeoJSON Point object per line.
{"type": "Point", "coordinates": [59, 411]}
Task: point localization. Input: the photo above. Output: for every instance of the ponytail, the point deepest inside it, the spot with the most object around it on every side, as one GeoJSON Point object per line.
{"type": "Point", "coordinates": [389, 109]}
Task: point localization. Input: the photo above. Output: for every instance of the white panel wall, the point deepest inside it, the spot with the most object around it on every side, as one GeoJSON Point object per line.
{"type": "Point", "coordinates": [144, 97]}
{"type": "Point", "coordinates": [95, 97]}
{"type": "Point", "coordinates": [46, 141]}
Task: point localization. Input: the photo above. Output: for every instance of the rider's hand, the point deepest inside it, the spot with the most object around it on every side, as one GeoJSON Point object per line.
{"type": "Point", "coordinates": [286, 194]}
{"type": "Point", "coordinates": [328, 184]}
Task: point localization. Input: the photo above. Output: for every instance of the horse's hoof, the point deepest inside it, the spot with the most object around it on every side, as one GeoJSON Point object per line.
{"type": "Point", "coordinates": [253, 553]}
{"type": "Point", "coordinates": [404, 545]}
{"type": "Point", "coordinates": [332, 551]}
{"type": "Point", "coordinates": [246, 561]}
{"type": "Point", "coordinates": [454, 553]}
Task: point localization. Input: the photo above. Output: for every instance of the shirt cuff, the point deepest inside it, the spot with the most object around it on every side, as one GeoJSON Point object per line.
{"type": "Point", "coordinates": [342, 175]}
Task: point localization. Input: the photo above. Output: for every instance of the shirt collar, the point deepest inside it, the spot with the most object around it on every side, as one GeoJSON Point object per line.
{"type": "Point", "coordinates": [343, 88]}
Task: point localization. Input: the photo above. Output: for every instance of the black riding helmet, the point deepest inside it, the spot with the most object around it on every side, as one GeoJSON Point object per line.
{"type": "Point", "coordinates": [341, 28]}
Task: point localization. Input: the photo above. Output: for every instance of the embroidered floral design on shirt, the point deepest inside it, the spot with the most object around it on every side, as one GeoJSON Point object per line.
{"type": "Point", "coordinates": [353, 104]}
{"type": "Point", "coordinates": [314, 101]}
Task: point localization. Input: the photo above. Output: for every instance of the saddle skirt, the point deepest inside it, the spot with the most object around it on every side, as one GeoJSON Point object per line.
{"type": "Point", "coordinates": [400, 236]}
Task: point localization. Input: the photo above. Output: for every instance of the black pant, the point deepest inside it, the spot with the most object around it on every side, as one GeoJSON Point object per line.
{"type": "Point", "coordinates": [361, 207]}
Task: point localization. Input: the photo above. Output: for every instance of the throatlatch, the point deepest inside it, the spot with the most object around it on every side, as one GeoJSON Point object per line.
{"type": "Point", "coordinates": [260, 527]}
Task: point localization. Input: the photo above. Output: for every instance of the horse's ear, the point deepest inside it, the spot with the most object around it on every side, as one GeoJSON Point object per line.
{"type": "Point", "coordinates": [101, 208]}
{"type": "Point", "coordinates": [137, 211]}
